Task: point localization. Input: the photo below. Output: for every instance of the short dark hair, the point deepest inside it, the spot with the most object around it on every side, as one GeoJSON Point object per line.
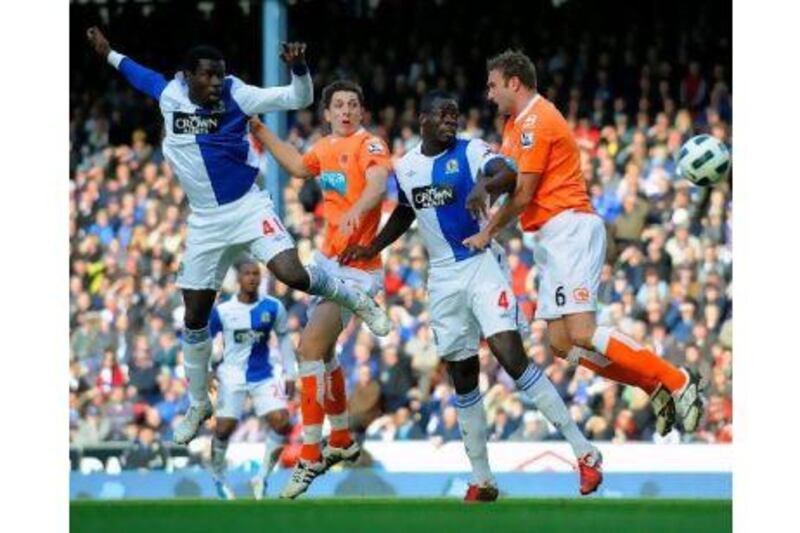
{"type": "Point", "coordinates": [243, 262]}
{"type": "Point", "coordinates": [202, 51]}
{"type": "Point", "coordinates": [341, 85]}
{"type": "Point", "coordinates": [514, 63]}
{"type": "Point", "coordinates": [426, 104]}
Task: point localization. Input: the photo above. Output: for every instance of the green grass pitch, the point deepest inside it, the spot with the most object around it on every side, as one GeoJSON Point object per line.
{"type": "Point", "coordinates": [595, 515]}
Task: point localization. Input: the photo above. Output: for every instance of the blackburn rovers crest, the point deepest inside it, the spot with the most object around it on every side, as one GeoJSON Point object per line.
{"type": "Point", "coordinates": [451, 167]}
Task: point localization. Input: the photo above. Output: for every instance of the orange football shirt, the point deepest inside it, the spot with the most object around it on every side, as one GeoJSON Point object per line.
{"type": "Point", "coordinates": [341, 164]}
{"type": "Point", "coordinates": [540, 142]}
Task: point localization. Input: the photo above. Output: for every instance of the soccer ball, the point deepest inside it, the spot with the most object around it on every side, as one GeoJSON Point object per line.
{"type": "Point", "coordinates": [704, 160]}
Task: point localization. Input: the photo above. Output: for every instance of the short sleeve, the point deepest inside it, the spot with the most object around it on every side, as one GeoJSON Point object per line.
{"type": "Point", "coordinates": [311, 161]}
{"type": "Point", "coordinates": [478, 154]}
{"type": "Point", "coordinates": [534, 149]}
{"type": "Point", "coordinates": [214, 323]}
{"type": "Point", "coordinates": [281, 324]}
{"type": "Point", "coordinates": [374, 152]}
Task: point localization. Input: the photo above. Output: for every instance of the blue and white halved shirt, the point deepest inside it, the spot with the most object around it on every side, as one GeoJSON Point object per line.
{"type": "Point", "coordinates": [246, 332]}
{"type": "Point", "coordinates": [437, 188]}
{"type": "Point", "coordinates": [208, 149]}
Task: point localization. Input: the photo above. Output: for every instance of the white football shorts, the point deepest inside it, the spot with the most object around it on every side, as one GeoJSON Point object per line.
{"type": "Point", "coordinates": [268, 395]}
{"type": "Point", "coordinates": [216, 239]}
{"type": "Point", "coordinates": [569, 251]}
{"type": "Point", "coordinates": [469, 298]}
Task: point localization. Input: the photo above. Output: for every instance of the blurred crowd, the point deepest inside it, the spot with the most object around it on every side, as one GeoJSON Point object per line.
{"type": "Point", "coordinates": [631, 98]}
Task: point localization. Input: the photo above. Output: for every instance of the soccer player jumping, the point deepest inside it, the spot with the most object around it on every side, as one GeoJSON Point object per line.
{"type": "Point", "coordinates": [469, 292]}
{"type": "Point", "coordinates": [570, 240]}
{"type": "Point", "coordinates": [206, 115]}
{"type": "Point", "coordinates": [353, 166]}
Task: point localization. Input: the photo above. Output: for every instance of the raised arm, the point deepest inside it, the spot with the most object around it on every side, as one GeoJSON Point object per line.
{"type": "Point", "coordinates": [297, 95]}
{"type": "Point", "coordinates": [142, 78]}
{"type": "Point", "coordinates": [284, 152]}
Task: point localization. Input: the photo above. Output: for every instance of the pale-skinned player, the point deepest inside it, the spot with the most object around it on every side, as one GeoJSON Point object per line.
{"type": "Point", "coordinates": [353, 166]}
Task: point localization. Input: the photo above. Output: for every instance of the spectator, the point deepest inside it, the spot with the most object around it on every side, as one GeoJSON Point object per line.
{"type": "Point", "coordinates": [446, 426]}
{"type": "Point", "coordinates": [147, 452]}
{"type": "Point", "coordinates": [395, 379]}
{"type": "Point", "coordinates": [364, 403]}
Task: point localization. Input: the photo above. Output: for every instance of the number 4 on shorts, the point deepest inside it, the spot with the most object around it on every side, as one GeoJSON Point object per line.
{"type": "Point", "coordinates": [502, 301]}
{"type": "Point", "coordinates": [270, 228]}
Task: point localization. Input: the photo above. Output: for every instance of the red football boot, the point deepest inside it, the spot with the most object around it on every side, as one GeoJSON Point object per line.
{"type": "Point", "coordinates": [590, 467]}
{"type": "Point", "coordinates": [481, 493]}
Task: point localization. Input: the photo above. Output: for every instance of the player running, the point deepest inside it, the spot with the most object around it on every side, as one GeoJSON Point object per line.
{"type": "Point", "coordinates": [469, 292]}
{"type": "Point", "coordinates": [570, 242]}
{"type": "Point", "coordinates": [247, 369]}
{"type": "Point", "coordinates": [353, 166]}
{"type": "Point", "coordinates": [205, 116]}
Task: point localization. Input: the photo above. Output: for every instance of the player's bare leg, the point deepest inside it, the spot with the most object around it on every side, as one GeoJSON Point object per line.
{"type": "Point", "coordinates": [660, 399]}
{"type": "Point", "coordinates": [277, 435]}
{"type": "Point", "coordinates": [534, 385]}
{"type": "Point", "coordinates": [621, 349]}
{"type": "Point", "coordinates": [317, 339]}
{"type": "Point", "coordinates": [219, 447]}
{"type": "Point", "coordinates": [286, 266]}
{"type": "Point", "coordinates": [196, 354]}
{"type": "Point", "coordinates": [472, 424]}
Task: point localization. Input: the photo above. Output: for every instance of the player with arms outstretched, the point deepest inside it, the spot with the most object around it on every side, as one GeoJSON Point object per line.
{"type": "Point", "coordinates": [549, 193]}
{"type": "Point", "coordinates": [353, 166]}
{"type": "Point", "coordinates": [248, 368]}
{"type": "Point", "coordinates": [206, 116]}
{"type": "Point", "coordinates": [470, 294]}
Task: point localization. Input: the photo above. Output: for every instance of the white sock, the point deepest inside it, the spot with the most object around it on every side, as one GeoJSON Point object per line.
{"type": "Point", "coordinates": [334, 289]}
{"type": "Point", "coordinates": [274, 448]}
{"type": "Point", "coordinates": [218, 449]}
{"type": "Point", "coordinates": [196, 354]}
{"type": "Point", "coordinates": [540, 390]}
{"type": "Point", "coordinates": [472, 423]}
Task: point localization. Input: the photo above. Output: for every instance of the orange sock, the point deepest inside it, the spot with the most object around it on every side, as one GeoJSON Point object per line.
{"type": "Point", "coordinates": [620, 374]}
{"type": "Point", "coordinates": [627, 353]}
{"type": "Point", "coordinates": [336, 405]}
{"type": "Point", "coordinates": [312, 389]}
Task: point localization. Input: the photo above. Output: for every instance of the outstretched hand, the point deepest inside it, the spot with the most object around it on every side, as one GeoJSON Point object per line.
{"type": "Point", "coordinates": [293, 53]}
{"type": "Point", "coordinates": [479, 241]}
{"type": "Point", "coordinates": [98, 41]}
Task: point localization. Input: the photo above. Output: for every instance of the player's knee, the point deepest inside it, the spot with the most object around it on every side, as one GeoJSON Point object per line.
{"type": "Point", "coordinates": [464, 374]}
{"type": "Point", "coordinates": [297, 279]}
{"type": "Point", "coordinates": [195, 318]}
{"type": "Point", "coordinates": [559, 351]}
{"type": "Point", "coordinates": [305, 351]}
{"type": "Point", "coordinates": [507, 347]}
{"type": "Point", "coordinates": [290, 271]}
{"type": "Point", "coordinates": [582, 338]}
